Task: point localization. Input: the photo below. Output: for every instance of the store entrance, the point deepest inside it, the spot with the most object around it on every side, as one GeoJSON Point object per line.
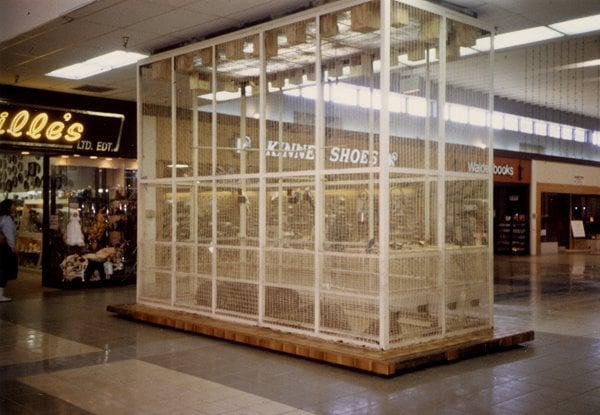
{"type": "Point", "coordinates": [555, 220]}
{"type": "Point", "coordinates": [91, 236]}
{"type": "Point", "coordinates": [511, 219]}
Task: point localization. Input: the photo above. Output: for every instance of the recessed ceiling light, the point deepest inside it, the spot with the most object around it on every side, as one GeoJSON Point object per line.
{"type": "Point", "coordinates": [585, 64]}
{"type": "Point", "coordinates": [517, 38]}
{"type": "Point", "coordinates": [577, 26]}
{"type": "Point", "coordinates": [99, 64]}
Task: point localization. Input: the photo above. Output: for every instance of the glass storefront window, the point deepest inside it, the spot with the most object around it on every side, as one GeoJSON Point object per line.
{"type": "Point", "coordinates": [81, 217]}
{"type": "Point", "coordinates": [92, 219]}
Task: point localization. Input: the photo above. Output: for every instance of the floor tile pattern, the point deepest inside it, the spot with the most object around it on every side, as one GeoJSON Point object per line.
{"type": "Point", "coordinates": [30, 345]}
{"type": "Point", "coordinates": [137, 387]}
{"type": "Point", "coordinates": [62, 353]}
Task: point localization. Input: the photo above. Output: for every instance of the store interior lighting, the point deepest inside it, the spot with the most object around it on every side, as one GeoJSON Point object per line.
{"type": "Point", "coordinates": [299, 83]}
{"type": "Point", "coordinates": [518, 38]}
{"type": "Point", "coordinates": [579, 65]}
{"type": "Point", "coordinates": [540, 33]}
{"type": "Point", "coordinates": [97, 65]}
{"type": "Point", "coordinates": [578, 26]}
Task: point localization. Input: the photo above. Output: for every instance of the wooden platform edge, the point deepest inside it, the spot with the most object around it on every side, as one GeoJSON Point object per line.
{"type": "Point", "coordinates": [379, 362]}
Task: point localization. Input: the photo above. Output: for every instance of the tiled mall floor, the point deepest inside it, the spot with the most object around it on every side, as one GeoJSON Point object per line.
{"type": "Point", "coordinates": [62, 353]}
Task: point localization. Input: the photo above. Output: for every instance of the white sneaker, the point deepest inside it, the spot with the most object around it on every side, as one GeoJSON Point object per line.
{"type": "Point", "coordinates": [4, 299]}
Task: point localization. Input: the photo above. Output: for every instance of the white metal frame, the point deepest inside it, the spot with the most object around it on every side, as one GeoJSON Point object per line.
{"type": "Point", "coordinates": [383, 170]}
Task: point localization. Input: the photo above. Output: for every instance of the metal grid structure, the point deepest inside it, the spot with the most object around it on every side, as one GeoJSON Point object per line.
{"type": "Point", "coordinates": [304, 175]}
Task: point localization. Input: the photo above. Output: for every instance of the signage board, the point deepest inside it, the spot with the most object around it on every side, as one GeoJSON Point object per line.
{"type": "Point", "coordinates": [505, 169]}
{"type": "Point", "coordinates": [577, 229]}
{"type": "Point", "coordinates": [27, 127]}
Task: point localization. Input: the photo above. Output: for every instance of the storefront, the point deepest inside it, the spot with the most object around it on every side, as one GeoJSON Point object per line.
{"type": "Point", "coordinates": [566, 206]}
{"type": "Point", "coordinates": [512, 179]}
{"type": "Point", "coordinates": [69, 163]}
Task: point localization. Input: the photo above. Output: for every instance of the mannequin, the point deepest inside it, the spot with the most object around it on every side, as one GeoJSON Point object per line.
{"type": "Point", "coordinates": [74, 235]}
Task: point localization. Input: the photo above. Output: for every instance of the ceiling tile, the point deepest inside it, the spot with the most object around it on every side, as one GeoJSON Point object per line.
{"type": "Point", "coordinates": [154, 25]}
{"type": "Point", "coordinates": [221, 8]}
{"type": "Point", "coordinates": [120, 38]}
{"type": "Point", "coordinates": [205, 30]}
{"type": "Point", "coordinates": [124, 13]}
{"type": "Point", "coordinates": [173, 21]}
{"type": "Point", "coordinates": [173, 3]}
{"type": "Point", "coordinates": [92, 8]}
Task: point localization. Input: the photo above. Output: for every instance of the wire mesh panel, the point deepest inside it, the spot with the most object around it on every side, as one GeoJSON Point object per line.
{"type": "Point", "coordinates": [349, 47]}
{"type": "Point", "coordinates": [467, 289]}
{"type": "Point", "coordinates": [467, 211]}
{"type": "Point", "coordinates": [290, 212]}
{"type": "Point", "coordinates": [193, 78]}
{"type": "Point", "coordinates": [155, 91]}
{"type": "Point", "coordinates": [353, 318]}
{"type": "Point", "coordinates": [414, 296]}
{"type": "Point", "coordinates": [185, 292]}
{"type": "Point", "coordinates": [289, 268]}
{"type": "Point", "coordinates": [202, 281]}
{"type": "Point", "coordinates": [237, 97]}
{"type": "Point", "coordinates": [203, 200]}
{"type": "Point", "coordinates": [414, 71]}
{"type": "Point", "coordinates": [154, 243]}
{"type": "Point", "coordinates": [186, 145]}
{"type": "Point", "coordinates": [185, 251]}
{"type": "Point", "coordinates": [351, 212]}
{"type": "Point", "coordinates": [290, 103]}
{"type": "Point", "coordinates": [567, 103]}
{"type": "Point", "coordinates": [290, 190]}
{"type": "Point", "coordinates": [237, 282]}
{"type": "Point", "coordinates": [289, 288]}
{"type": "Point", "coordinates": [237, 212]}
{"type": "Point", "coordinates": [184, 206]}
{"type": "Point", "coordinates": [412, 212]}
{"type": "Point", "coordinates": [352, 273]}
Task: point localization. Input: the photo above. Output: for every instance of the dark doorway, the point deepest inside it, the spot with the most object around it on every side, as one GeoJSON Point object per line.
{"type": "Point", "coordinates": [556, 219]}
{"type": "Point", "coordinates": [511, 219]}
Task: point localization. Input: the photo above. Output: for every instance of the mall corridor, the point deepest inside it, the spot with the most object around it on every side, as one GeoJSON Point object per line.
{"type": "Point", "coordinates": [61, 352]}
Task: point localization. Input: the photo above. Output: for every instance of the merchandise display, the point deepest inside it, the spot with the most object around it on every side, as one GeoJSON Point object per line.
{"type": "Point", "coordinates": [74, 236]}
{"type": "Point", "coordinates": [92, 220]}
{"type": "Point", "coordinates": [98, 239]}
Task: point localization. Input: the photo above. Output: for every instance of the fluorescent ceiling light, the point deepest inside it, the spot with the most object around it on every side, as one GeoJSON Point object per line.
{"type": "Point", "coordinates": [580, 65]}
{"type": "Point", "coordinates": [403, 59]}
{"type": "Point", "coordinates": [103, 63]}
{"type": "Point", "coordinates": [222, 95]}
{"type": "Point", "coordinates": [517, 38]}
{"type": "Point", "coordinates": [577, 26]}
{"type": "Point", "coordinates": [227, 95]}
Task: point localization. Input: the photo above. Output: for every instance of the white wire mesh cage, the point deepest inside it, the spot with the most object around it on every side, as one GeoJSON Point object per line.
{"type": "Point", "coordinates": [307, 175]}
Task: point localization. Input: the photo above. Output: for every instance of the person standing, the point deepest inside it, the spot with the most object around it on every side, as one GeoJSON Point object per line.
{"type": "Point", "coordinates": [8, 239]}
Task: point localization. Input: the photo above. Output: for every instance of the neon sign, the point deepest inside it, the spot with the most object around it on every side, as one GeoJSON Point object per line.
{"type": "Point", "coordinates": [39, 126]}
{"type": "Point", "coordinates": [67, 131]}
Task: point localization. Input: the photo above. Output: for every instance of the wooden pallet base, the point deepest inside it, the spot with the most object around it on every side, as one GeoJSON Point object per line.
{"type": "Point", "coordinates": [385, 363]}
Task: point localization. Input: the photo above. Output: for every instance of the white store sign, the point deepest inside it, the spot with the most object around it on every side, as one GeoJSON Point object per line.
{"type": "Point", "coordinates": [505, 170]}
{"type": "Point", "coordinates": [336, 154]}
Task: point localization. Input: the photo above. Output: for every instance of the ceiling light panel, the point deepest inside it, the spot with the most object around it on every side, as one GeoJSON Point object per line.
{"type": "Point", "coordinates": [518, 38]}
{"type": "Point", "coordinates": [99, 64]}
{"type": "Point", "coordinates": [578, 26]}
